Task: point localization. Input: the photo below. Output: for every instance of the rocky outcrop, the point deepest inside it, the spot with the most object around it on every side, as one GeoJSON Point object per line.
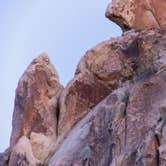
{"type": "Point", "coordinates": [89, 142]}
{"type": "Point", "coordinates": [112, 113]}
{"type": "Point", "coordinates": [136, 14]}
{"type": "Point", "coordinates": [35, 114]}
{"type": "Point", "coordinates": [125, 127]}
{"type": "Point", "coordinates": [100, 71]}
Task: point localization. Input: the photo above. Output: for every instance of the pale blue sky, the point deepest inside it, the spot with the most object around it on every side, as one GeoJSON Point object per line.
{"type": "Point", "coordinates": [63, 29]}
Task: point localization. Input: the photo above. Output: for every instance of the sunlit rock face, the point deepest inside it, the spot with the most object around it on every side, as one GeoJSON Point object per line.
{"type": "Point", "coordinates": [112, 113]}
{"type": "Point", "coordinates": [35, 114]}
{"type": "Point", "coordinates": [137, 14]}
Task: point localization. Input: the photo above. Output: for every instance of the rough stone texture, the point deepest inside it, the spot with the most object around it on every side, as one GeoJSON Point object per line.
{"type": "Point", "coordinates": [139, 14]}
{"type": "Point", "coordinates": [4, 158]}
{"type": "Point", "coordinates": [100, 71]}
{"type": "Point", "coordinates": [112, 113]}
{"type": "Point", "coordinates": [126, 127]}
{"type": "Point", "coordinates": [34, 120]}
{"type": "Point", "coordinates": [89, 142]}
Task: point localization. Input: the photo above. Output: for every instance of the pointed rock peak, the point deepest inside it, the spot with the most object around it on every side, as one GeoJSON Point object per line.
{"type": "Point", "coordinates": [35, 111]}
{"type": "Point", "coordinates": [136, 14]}
{"type": "Point", "coordinates": [44, 61]}
{"type": "Point", "coordinates": [42, 58]}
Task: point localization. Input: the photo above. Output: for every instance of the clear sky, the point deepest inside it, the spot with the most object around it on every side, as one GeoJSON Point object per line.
{"type": "Point", "coordinates": [63, 29]}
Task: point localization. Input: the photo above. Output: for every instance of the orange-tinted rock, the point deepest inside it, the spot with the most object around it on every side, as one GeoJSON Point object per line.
{"type": "Point", "coordinates": [137, 14]}
{"type": "Point", "coordinates": [34, 120]}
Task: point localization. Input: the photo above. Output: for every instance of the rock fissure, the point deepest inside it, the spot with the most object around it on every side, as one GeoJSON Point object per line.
{"type": "Point", "coordinates": [157, 153]}
{"type": "Point", "coordinates": [57, 115]}
{"type": "Point", "coordinates": [125, 115]}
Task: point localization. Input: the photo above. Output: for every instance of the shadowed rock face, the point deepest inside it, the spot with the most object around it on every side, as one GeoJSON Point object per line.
{"type": "Point", "coordinates": [112, 113]}
{"type": "Point", "coordinates": [138, 14]}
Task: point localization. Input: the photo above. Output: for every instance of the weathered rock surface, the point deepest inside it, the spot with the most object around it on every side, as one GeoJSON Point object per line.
{"type": "Point", "coordinates": [112, 113]}
{"type": "Point", "coordinates": [90, 142]}
{"type": "Point", "coordinates": [125, 128]}
{"type": "Point", "coordinates": [4, 158]}
{"type": "Point", "coordinates": [139, 14]}
{"type": "Point", "coordinates": [100, 71]}
{"type": "Point", "coordinates": [34, 119]}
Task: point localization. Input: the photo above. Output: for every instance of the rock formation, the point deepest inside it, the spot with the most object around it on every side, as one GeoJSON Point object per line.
{"type": "Point", "coordinates": [125, 128]}
{"type": "Point", "coordinates": [139, 14]}
{"type": "Point", "coordinates": [35, 114]}
{"type": "Point", "coordinates": [112, 113]}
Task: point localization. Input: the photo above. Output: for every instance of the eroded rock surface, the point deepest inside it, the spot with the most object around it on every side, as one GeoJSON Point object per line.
{"type": "Point", "coordinates": [112, 113]}
{"type": "Point", "coordinates": [4, 158]}
{"type": "Point", "coordinates": [90, 142]}
{"type": "Point", "coordinates": [139, 14]}
{"type": "Point", "coordinates": [126, 127]}
{"type": "Point", "coordinates": [34, 120]}
{"type": "Point", "coordinates": [100, 71]}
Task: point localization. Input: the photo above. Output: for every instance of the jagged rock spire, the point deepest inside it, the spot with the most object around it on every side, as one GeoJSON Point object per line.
{"type": "Point", "coordinates": [34, 119]}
